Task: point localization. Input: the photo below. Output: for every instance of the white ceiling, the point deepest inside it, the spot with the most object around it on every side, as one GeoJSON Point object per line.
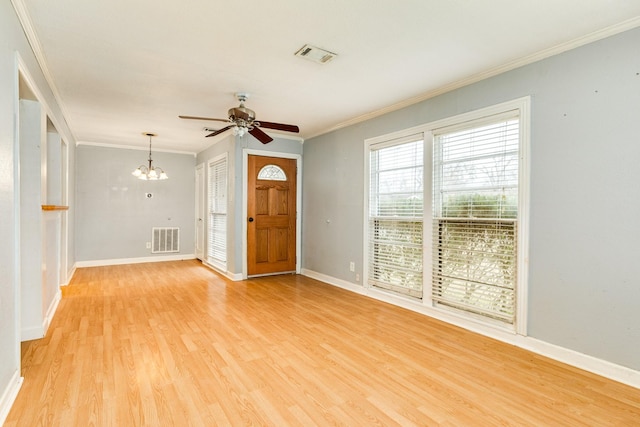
{"type": "Point", "coordinates": [124, 67]}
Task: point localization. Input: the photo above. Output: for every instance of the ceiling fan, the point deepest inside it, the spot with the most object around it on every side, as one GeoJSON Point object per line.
{"type": "Point", "coordinates": [243, 120]}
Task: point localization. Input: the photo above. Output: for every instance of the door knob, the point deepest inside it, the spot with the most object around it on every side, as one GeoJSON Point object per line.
{"type": "Point", "coordinates": [250, 219]}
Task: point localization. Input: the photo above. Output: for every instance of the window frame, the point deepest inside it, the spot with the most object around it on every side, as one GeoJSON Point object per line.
{"type": "Point", "coordinates": [377, 146]}
{"type": "Point", "coordinates": [426, 305]}
{"type": "Point", "coordinates": [488, 284]}
{"type": "Point", "coordinates": [213, 261]}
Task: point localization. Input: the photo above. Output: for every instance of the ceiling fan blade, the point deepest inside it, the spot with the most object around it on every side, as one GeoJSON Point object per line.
{"type": "Point", "coordinates": [204, 118]}
{"type": "Point", "coordinates": [279, 126]}
{"type": "Point", "coordinates": [219, 131]}
{"type": "Point", "coordinates": [260, 135]}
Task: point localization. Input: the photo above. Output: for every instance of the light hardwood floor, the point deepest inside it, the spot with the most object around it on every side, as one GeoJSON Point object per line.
{"type": "Point", "coordinates": [172, 343]}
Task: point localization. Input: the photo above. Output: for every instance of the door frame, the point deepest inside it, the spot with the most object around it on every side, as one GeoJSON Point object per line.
{"type": "Point", "coordinates": [201, 218]}
{"type": "Point", "coordinates": [245, 181]}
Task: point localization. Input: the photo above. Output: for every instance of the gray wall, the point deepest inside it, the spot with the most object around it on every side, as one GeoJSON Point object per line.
{"type": "Point", "coordinates": [234, 147]}
{"type": "Point", "coordinates": [114, 217]}
{"type": "Point", "coordinates": [585, 147]}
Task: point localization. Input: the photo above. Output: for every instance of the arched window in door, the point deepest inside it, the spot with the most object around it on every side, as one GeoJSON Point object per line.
{"type": "Point", "coordinates": [272, 173]}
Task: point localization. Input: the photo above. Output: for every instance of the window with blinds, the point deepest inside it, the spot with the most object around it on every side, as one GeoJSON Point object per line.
{"type": "Point", "coordinates": [475, 216]}
{"type": "Point", "coordinates": [395, 221]}
{"type": "Point", "coordinates": [217, 226]}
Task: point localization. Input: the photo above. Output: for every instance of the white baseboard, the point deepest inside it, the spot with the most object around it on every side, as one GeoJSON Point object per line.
{"type": "Point", "coordinates": [359, 289]}
{"type": "Point", "coordinates": [70, 275]}
{"type": "Point", "coordinates": [120, 261]}
{"type": "Point", "coordinates": [37, 332]}
{"type": "Point", "coordinates": [31, 333]}
{"type": "Point", "coordinates": [9, 396]}
{"type": "Point", "coordinates": [236, 277]}
{"type": "Point", "coordinates": [561, 354]}
{"type": "Point", "coordinates": [51, 311]}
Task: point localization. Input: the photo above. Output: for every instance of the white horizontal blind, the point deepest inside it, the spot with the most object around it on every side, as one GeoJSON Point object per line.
{"type": "Point", "coordinates": [217, 227]}
{"type": "Point", "coordinates": [395, 218]}
{"type": "Point", "coordinates": [475, 217]}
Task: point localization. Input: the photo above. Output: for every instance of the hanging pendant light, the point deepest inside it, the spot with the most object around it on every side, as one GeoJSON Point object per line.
{"type": "Point", "coordinates": [149, 173]}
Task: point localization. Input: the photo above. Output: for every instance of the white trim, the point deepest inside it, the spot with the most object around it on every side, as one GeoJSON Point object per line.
{"type": "Point", "coordinates": [120, 261]}
{"type": "Point", "coordinates": [34, 42]}
{"type": "Point", "coordinates": [216, 139]}
{"type": "Point", "coordinates": [282, 135]}
{"type": "Point", "coordinates": [17, 243]}
{"type": "Point", "coordinates": [64, 217]}
{"type": "Point", "coordinates": [523, 106]}
{"type": "Point", "coordinates": [9, 395]}
{"type": "Point", "coordinates": [70, 275]}
{"type": "Point", "coordinates": [229, 235]}
{"type": "Point", "coordinates": [529, 59]}
{"type": "Point", "coordinates": [371, 145]}
{"type": "Point", "coordinates": [23, 71]}
{"type": "Point", "coordinates": [51, 311]}
{"type": "Point", "coordinates": [427, 230]}
{"type": "Point", "coordinates": [358, 289]}
{"type": "Point", "coordinates": [570, 357]}
{"type": "Point", "coordinates": [201, 203]}
{"type": "Point", "coordinates": [133, 147]}
{"type": "Point", "coordinates": [37, 332]}
{"type": "Point", "coordinates": [245, 164]}
{"type": "Point", "coordinates": [524, 205]}
{"type": "Point", "coordinates": [462, 121]}
{"type": "Point", "coordinates": [583, 361]}
{"type": "Point", "coordinates": [235, 277]}
{"type": "Point", "coordinates": [393, 136]}
{"type": "Point", "coordinates": [32, 333]}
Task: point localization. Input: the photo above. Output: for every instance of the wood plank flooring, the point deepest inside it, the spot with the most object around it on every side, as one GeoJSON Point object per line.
{"type": "Point", "coordinates": [174, 344]}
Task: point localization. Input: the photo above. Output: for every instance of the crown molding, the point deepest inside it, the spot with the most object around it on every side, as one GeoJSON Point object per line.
{"type": "Point", "coordinates": [525, 60]}
{"type": "Point", "coordinates": [281, 135]}
{"type": "Point", "coordinates": [25, 20]}
{"type": "Point", "coordinates": [36, 47]}
{"type": "Point", "coordinates": [133, 147]}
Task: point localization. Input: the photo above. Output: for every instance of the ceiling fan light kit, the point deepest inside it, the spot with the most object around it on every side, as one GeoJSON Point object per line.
{"type": "Point", "coordinates": [243, 120]}
{"type": "Point", "coordinates": [149, 172]}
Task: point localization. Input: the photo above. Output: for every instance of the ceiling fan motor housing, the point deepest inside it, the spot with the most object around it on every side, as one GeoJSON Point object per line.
{"type": "Point", "coordinates": [242, 113]}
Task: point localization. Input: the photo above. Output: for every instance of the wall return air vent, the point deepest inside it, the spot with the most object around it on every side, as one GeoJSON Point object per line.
{"type": "Point", "coordinates": [315, 54]}
{"type": "Point", "coordinates": [165, 240]}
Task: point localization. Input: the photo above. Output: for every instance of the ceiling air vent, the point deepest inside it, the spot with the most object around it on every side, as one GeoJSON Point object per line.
{"type": "Point", "coordinates": [315, 54]}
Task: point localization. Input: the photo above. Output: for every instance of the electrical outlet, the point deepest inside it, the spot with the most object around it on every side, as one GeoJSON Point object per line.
{"type": "Point", "coordinates": [148, 245]}
{"type": "Point", "coordinates": [357, 277]}
{"type": "Point", "coordinates": [352, 266]}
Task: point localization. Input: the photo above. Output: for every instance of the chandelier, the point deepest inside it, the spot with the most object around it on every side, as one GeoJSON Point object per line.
{"type": "Point", "coordinates": [149, 173]}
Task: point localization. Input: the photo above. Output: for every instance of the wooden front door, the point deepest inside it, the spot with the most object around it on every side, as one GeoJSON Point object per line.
{"type": "Point", "coordinates": [271, 215]}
